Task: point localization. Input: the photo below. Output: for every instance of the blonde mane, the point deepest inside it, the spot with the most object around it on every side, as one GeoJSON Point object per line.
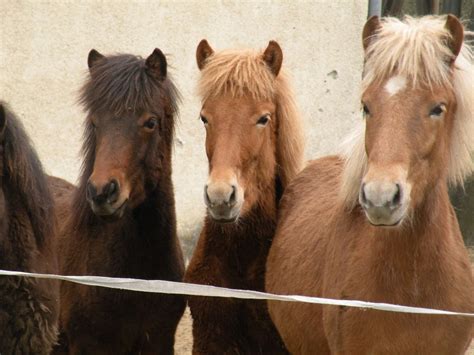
{"type": "Point", "coordinates": [417, 49]}
{"type": "Point", "coordinates": [244, 72]}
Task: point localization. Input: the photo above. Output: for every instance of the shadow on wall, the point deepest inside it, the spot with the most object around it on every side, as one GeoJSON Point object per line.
{"type": "Point", "coordinates": [463, 201]}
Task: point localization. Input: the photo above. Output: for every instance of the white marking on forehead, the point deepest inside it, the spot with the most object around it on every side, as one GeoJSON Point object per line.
{"type": "Point", "coordinates": [395, 84]}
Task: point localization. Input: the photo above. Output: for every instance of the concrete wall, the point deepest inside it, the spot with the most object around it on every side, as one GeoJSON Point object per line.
{"type": "Point", "coordinates": [44, 47]}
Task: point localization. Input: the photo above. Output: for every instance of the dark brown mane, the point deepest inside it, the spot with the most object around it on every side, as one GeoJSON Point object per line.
{"type": "Point", "coordinates": [23, 175]}
{"type": "Point", "coordinates": [116, 85]}
{"type": "Point", "coordinates": [122, 83]}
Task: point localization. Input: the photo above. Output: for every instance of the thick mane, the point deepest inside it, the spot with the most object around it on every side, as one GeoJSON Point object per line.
{"type": "Point", "coordinates": [23, 175]}
{"type": "Point", "coordinates": [122, 83]}
{"type": "Point", "coordinates": [417, 49]}
{"type": "Point", "coordinates": [244, 72]}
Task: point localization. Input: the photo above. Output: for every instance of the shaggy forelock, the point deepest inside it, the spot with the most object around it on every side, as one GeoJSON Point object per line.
{"type": "Point", "coordinates": [244, 72]}
{"type": "Point", "coordinates": [417, 49]}
{"type": "Point", "coordinates": [122, 83]}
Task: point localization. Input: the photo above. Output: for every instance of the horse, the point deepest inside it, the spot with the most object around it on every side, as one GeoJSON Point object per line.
{"type": "Point", "coordinates": [29, 308]}
{"type": "Point", "coordinates": [121, 219]}
{"type": "Point", "coordinates": [375, 223]}
{"type": "Point", "coordinates": [254, 146]}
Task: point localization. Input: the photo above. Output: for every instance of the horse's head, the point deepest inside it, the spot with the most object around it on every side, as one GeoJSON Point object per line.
{"type": "Point", "coordinates": [239, 113]}
{"type": "Point", "coordinates": [129, 129]}
{"type": "Point", "coordinates": [409, 105]}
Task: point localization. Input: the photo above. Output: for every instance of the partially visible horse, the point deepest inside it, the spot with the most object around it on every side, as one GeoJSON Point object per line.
{"type": "Point", "coordinates": [254, 147]}
{"type": "Point", "coordinates": [377, 224]}
{"type": "Point", "coordinates": [121, 220]}
{"type": "Point", "coordinates": [29, 308]}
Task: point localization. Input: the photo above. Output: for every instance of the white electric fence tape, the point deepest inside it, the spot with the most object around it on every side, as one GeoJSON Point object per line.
{"type": "Point", "coordinates": [181, 288]}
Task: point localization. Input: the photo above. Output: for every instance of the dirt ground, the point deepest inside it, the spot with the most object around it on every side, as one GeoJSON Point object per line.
{"type": "Point", "coordinates": [184, 337]}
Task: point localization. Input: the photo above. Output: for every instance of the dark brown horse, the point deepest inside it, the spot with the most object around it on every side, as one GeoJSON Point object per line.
{"type": "Point", "coordinates": [29, 308]}
{"type": "Point", "coordinates": [121, 219]}
{"type": "Point", "coordinates": [376, 224]}
{"type": "Point", "coordinates": [254, 146]}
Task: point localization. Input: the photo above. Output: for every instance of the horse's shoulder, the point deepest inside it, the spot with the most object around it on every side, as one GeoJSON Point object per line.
{"type": "Point", "coordinates": [320, 176]}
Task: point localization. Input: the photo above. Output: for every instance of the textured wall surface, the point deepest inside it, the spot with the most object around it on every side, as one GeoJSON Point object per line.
{"type": "Point", "coordinates": [43, 60]}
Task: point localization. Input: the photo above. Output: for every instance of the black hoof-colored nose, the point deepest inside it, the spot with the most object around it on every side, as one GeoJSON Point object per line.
{"type": "Point", "coordinates": [108, 193]}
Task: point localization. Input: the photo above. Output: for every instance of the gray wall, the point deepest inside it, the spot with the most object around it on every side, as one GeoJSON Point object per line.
{"type": "Point", "coordinates": [44, 47]}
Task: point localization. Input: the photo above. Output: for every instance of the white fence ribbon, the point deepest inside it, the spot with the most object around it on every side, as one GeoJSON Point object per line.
{"type": "Point", "coordinates": [181, 288]}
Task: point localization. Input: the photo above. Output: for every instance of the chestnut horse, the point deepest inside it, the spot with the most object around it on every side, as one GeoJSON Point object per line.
{"type": "Point", "coordinates": [254, 147]}
{"type": "Point", "coordinates": [376, 224]}
{"type": "Point", "coordinates": [29, 308]}
{"type": "Point", "coordinates": [121, 220]}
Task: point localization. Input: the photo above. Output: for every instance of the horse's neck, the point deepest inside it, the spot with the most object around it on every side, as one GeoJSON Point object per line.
{"type": "Point", "coordinates": [424, 240]}
{"type": "Point", "coordinates": [432, 222]}
{"type": "Point", "coordinates": [247, 241]}
{"type": "Point", "coordinates": [154, 219]}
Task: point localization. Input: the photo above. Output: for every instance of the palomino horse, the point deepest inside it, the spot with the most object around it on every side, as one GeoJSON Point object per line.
{"type": "Point", "coordinates": [254, 147]}
{"type": "Point", "coordinates": [29, 308]}
{"type": "Point", "coordinates": [401, 242]}
{"type": "Point", "coordinates": [121, 219]}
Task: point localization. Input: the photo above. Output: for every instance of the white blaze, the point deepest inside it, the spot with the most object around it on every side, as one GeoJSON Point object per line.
{"type": "Point", "coordinates": [395, 84]}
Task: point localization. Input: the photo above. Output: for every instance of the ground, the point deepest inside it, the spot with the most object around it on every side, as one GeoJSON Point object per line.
{"type": "Point", "coordinates": [184, 338]}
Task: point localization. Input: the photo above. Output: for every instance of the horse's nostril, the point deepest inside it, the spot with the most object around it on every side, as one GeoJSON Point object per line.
{"type": "Point", "coordinates": [207, 200]}
{"type": "Point", "coordinates": [363, 198]}
{"type": "Point", "coordinates": [111, 191]}
{"type": "Point", "coordinates": [91, 191]}
{"type": "Point", "coordinates": [111, 188]}
{"type": "Point", "coordinates": [233, 195]}
{"type": "Point", "coordinates": [398, 196]}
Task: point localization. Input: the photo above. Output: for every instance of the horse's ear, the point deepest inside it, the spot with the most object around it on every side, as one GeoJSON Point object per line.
{"type": "Point", "coordinates": [203, 51]}
{"type": "Point", "coordinates": [156, 64]}
{"type": "Point", "coordinates": [273, 56]}
{"type": "Point", "coordinates": [455, 28]}
{"type": "Point", "coordinates": [93, 58]}
{"type": "Point", "coordinates": [369, 31]}
{"type": "Point", "coordinates": [3, 120]}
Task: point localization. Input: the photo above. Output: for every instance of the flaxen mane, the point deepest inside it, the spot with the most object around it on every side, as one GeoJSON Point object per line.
{"type": "Point", "coordinates": [417, 49]}
{"type": "Point", "coordinates": [238, 73]}
{"type": "Point", "coordinates": [23, 173]}
{"type": "Point", "coordinates": [118, 84]}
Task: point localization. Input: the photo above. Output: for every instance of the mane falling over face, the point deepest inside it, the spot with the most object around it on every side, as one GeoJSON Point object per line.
{"type": "Point", "coordinates": [253, 134]}
{"type": "Point", "coordinates": [419, 130]}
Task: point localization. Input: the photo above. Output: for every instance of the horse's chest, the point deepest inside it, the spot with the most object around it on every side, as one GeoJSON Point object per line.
{"type": "Point", "coordinates": [357, 331]}
{"type": "Point", "coordinates": [241, 274]}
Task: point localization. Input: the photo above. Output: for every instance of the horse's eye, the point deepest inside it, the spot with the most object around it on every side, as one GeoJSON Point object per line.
{"type": "Point", "coordinates": [262, 121]}
{"type": "Point", "coordinates": [151, 123]}
{"type": "Point", "coordinates": [438, 111]}
{"type": "Point", "coordinates": [365, 109]}
{"type": "Point", "coordinates": [203, 119]}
